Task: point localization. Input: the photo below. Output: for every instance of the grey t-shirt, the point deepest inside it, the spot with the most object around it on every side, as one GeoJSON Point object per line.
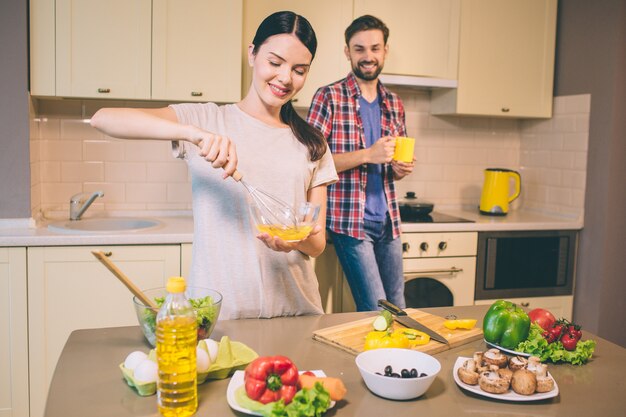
{"type": "Point", "coordinates": [254, 280]}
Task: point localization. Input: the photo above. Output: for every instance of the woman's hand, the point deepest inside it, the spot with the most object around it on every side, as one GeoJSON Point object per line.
{"type": "Point", "coordinates": [218, 150]}
{"type": "Point", "coordinates": [277, 244]}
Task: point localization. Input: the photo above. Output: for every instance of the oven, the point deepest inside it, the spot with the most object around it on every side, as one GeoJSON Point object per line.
{"type": "Point", "coordinates": [439, 268]}
{"type": "Point", "coordinates": [525, 264]}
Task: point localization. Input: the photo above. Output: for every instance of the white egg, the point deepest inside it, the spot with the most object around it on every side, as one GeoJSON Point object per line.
{"type": "Point", "coordinates": [146, 371]}
{"type": "Point", "coordinates": [212, 347]}
{"type": "Point", "coordinates": [202, 360]}
{"type": "Point", "coordinates": [133, 359]}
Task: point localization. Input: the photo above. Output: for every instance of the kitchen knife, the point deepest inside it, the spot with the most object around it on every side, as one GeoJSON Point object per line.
{"type": "Point", "coordinates": [404, 319]}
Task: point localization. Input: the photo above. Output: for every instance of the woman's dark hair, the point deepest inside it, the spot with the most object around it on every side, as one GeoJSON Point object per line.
{"type": "Point", "coordinates": [366, 22]}
{"type": "Point", "coordinates": [286, 22]}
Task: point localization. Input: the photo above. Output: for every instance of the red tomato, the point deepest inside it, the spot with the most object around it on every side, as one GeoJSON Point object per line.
{"type": "Point", "coordinates": [542, 317]}
{"type": "Point", "coordinates": [569, 342]}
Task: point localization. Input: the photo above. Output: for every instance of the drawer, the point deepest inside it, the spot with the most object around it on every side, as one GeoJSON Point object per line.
{"type": "Point", "coordinates": [430, 245]}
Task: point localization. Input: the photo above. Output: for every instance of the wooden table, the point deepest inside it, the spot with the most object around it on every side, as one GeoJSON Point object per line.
{"type": "Point", "coordinates": [88, 382]}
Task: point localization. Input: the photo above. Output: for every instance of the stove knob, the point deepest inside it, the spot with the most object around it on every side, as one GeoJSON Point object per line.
{"type": "Point", "coordinates": [423, 246]}
{"type": "Point", "coordinates": [406, 247]}
{"type": "Point", "coordinates": [443, 245]}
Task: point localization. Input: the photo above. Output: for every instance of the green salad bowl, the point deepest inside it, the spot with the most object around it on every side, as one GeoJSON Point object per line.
{"type": "Point", "coordinates": [205, 301]}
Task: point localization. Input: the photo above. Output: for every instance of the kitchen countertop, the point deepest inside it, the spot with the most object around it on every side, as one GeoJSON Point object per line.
{"type": "Point", "coordinates": [87, 380]}
{"type": "Point", "coordinates": [178, 229]}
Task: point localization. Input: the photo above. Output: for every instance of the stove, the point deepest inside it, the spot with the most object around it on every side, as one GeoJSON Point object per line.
{"type": "Point", "coordinates": [435, 217]}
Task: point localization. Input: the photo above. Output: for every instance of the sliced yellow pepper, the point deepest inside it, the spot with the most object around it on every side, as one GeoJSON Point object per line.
{"type": "Point", "coordinates": [377, 340]}
{"type": "Point", "coordinates": [460, 324]}
{"type": "Point", "coordinates": [415, 337]}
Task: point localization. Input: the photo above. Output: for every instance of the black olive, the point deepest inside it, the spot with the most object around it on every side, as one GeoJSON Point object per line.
{"type": "Point", "coordinates": [423, 375]}
{"type": "Point", "coordinates": [378, 373]}
{"type": "Point", "coordinates": [388, 370]}
{"type": "Point", "coordinates": [405, 374]}
{"type": "Point", "coordinates": [395, 375]}
{"type": "Point", "coordinates": [413, 373]}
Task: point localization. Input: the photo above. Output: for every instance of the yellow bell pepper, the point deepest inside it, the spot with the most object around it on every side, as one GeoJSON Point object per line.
{"type": "Point", "coordinates": [460, 324]}
{"type": "Point", "coordinates": [415, 337]}
{"type": "Point", "coordinates": [377, 340]}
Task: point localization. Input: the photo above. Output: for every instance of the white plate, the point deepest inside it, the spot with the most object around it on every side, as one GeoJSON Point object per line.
{"type": "Point", "coordinates": [509, 351]}
{"type": "Point", "coordinates": [509, 396]}
{"type": "Point", "coordinates": [237, 381]}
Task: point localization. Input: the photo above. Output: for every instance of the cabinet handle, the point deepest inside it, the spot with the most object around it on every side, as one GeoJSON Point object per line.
{"type": "Point", "coordinates": [196, 94]}
{"type": "Point", "coordinates": [524, 304]}
{"type": "Point", "coordinates": [443, 245]}
{"type": "Point", "coordinates": [104, 90]}
{"type": "Point", "coordinates": [423, 246]}
{"type": "Point", "coordinates": [108, 254]}
{"type": "Point", "coordinates": [505, 109]}
{"type": "Point", "coordinates": [406, 247]}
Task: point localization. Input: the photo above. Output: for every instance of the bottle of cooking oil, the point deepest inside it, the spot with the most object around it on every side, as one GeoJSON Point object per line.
{"type": "Point", "coordinates": [176, 340]}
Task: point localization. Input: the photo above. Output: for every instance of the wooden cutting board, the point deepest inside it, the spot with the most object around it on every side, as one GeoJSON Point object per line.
{"type": "Point", "coordinates": [350, 337]}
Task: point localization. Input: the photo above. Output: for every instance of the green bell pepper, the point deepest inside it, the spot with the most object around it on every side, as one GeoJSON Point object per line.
{"type": "Point", "coordinates": [506, 324]}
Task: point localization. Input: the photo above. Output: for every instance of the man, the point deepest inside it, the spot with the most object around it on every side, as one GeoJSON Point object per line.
{"type": "Point", "coordinates": [360, 119]}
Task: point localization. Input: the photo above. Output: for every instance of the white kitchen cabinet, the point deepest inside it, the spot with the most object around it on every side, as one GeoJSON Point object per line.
{"type": "Point", "coordinates": [185, 259]}
{"type": "Point", "coordinates": [423, 35]}
{"type": "Point", "coordinates": [13, 328]}
{"type": "Point", "coordinates": [171, 50]}
{"type": "Point", "coordinates": [329, 19]}
{"type": "Point", "coordinates": [196, 50]}
{"type": "Point", "coordinates": [103, 48]}
{"type": "Point", "coordinates": [68, 289]}
{"type": "Point", "coordinates": [506, 60]}
{"type": "Point", "coordinates": [559, 306]}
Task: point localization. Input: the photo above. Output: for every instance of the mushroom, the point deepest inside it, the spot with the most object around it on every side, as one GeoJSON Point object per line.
{"type": "Point", "coordinates": [495, 357]}
{"type": "Point", "coordinates": [517, 362]}
{"type": "Point", "coordinates": [533, 363]}
{"type": "Point", "coordinates": [467, 373]}
{"type": "Point", "coordinates": [505, 373]}
{"type": "Point", "coordinates": [478, 358]}
{"type": "Point", "coordinates": [524, 382]}
{"type": "Point", "coordinates": [491, 381]}
{"type": "Point", "coordinates": [545, 383]}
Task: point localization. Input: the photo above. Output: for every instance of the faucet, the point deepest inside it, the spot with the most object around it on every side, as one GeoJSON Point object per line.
{"type": "Point", "coordinates": [79, 203]}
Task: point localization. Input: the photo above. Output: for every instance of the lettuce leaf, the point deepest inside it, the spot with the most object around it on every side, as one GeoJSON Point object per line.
{"type": "Point", "coordinates": [537, 345]}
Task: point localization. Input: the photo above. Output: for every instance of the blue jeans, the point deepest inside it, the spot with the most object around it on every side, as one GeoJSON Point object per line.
{"type": "Point", "coordinates": [373, 266]}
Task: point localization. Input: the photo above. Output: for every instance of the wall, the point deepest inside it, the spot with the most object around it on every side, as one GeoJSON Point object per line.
{"type": "Point", "coordinates": [14, 157]}
{"type": "Point", "coordinates": [451, 153]}
{"type": "Point", "coordinates": [591, 59]}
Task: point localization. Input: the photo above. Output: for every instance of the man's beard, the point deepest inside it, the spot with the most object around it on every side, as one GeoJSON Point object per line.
{"type": "Point", "coordinates": [366, 77]}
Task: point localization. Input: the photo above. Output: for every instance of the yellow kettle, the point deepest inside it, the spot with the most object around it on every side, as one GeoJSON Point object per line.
{"type": "Point", "coordinates": [496, 195]}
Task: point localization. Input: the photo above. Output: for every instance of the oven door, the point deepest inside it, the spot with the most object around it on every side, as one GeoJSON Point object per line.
{"type": "Point", "coordinates": [439, 282]}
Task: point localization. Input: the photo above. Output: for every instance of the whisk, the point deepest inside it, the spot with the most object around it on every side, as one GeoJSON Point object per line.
{"type": "Point", "coordinates": [273, 210]}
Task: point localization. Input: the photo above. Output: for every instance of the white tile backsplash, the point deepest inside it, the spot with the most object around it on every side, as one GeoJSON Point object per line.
{"type": "Point", "coordinates": [68, 156]}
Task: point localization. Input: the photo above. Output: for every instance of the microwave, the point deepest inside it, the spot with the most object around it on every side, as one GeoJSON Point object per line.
{"type": "Point", "coordinates": [525, 264]}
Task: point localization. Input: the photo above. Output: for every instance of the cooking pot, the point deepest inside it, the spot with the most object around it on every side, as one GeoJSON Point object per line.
{"type": "Point", "coordinates": [412, 208]}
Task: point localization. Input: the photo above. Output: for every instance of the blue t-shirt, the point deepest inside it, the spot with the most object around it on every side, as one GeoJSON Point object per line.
{"type": "Point", "coordinates": [375, 200]}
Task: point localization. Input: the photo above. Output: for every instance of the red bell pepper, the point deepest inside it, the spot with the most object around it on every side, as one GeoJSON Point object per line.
{"type": "Point", "coordinates": [271, 378]}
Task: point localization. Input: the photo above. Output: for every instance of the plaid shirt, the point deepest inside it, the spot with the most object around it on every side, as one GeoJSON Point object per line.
{"type": "Point", "coordinates": [335, 112]}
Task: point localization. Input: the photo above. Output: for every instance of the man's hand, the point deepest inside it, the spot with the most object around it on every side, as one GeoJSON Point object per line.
{"type": "Point", "coordinates": [402, 169]}
{"type": "Point", "coordinates": [381, 152]}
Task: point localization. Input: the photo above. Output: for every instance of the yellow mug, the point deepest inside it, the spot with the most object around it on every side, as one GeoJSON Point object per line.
{"type": "Point", "coordinates": [404, 149]}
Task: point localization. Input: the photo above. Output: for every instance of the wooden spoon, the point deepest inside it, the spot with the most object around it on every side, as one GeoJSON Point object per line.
{"type": "Point", "coordinates": [125, 280]}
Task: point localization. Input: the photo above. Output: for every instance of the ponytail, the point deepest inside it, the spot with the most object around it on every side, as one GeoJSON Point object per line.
{"type": "Point", "coordinates": [304, 132]}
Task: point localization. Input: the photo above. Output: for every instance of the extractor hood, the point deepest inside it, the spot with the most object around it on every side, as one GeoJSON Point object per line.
{"type": "Point", "coordinates": [417, 82]}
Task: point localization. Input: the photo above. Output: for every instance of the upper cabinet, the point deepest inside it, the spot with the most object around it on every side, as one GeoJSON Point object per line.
{"type": "Point", "coordinates": [423, 35]}
{"type": "Point", "coordinates": [178, 50]}
{"type": "Point", "coordinates": [506, 60]}
{"type": "Point", "coordinates": [103, 48]}
{"type": "Point", "coordinates": [329, 19]}
{"type": "Point", "coordinates": [196, 50]}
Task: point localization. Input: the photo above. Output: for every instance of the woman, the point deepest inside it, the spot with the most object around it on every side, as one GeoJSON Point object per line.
{"type": "Point", "coordinates": [263, 138]}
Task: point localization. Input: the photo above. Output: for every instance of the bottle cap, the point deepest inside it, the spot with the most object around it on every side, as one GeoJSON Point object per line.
{"type": "Point", "coordinates": [175, 284]}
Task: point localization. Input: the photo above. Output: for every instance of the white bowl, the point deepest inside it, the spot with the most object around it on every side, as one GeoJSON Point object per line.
{"type": "Point", "coordinates": [372, 361]}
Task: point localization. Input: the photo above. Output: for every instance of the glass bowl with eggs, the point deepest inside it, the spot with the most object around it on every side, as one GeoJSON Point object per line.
{"type": "Point", "coordinates": [205, 302]}
{"type": "Point", "coordinates": [290, 225]}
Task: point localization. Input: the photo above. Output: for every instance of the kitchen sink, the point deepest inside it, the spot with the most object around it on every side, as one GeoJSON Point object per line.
{"type": "Point", "coordinates": [103, 225]}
